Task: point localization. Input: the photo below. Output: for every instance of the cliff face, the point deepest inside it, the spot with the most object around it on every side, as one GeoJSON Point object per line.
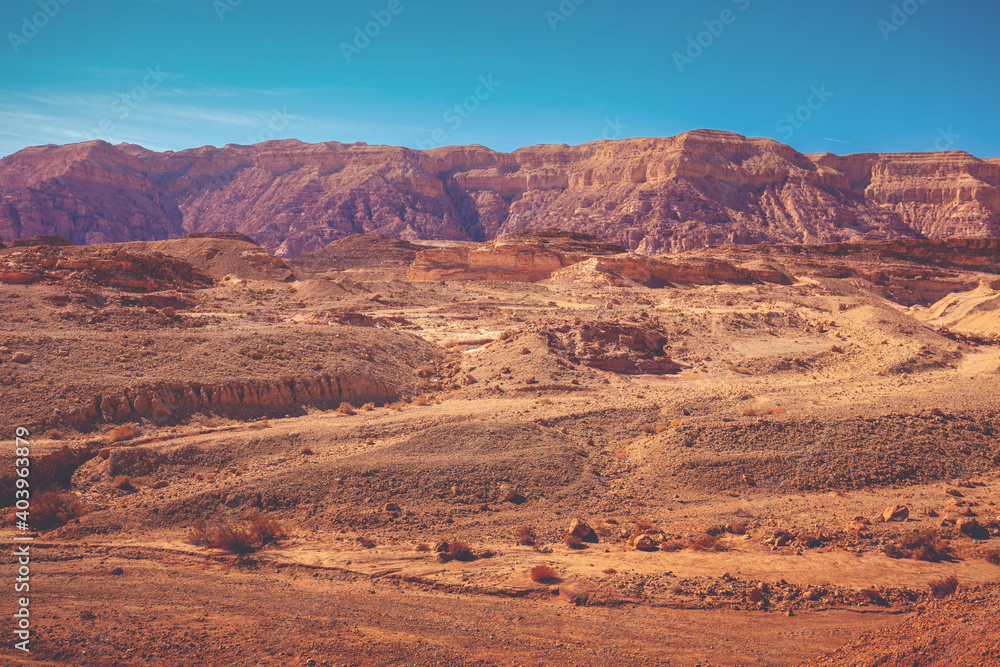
{"type": "Point", "coordinates": [648, 195]}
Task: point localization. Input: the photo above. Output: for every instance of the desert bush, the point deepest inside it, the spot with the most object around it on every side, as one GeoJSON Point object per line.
{"type": "Point", "coordinates": [345, 409]}
{"type": "Point", "coordinates": [306, 449]}
{"type": "Point", "coordinates": [461, 551]}
{"type": "Point", "coordinates": [671, 545]}
{"type": "Point", "coordinates": [737, 529]}
{"type": "Point", "coordinates": [123, 482]}
{"type": "Point", "coordinates": [920, 545]}
{"type": "Point", "coordinates": [366, 542]}
{"type": "Point", "coordinates": [54, 508]}
{"type": "Point", "coordinates": [715, 531]}
{"type": "Point", "coordinates": [706, 543]}
{"type": "Point", "coordinates": [943, 587]}
{"type": "Point", "coordinates": [368, 407]}
{"type": "Point", "coordinates": [234, 539]}
{"type": "Point", "coordinates": [242, 538]}
{"type": "Point", "coordinates": [525, 535]}
{"type": "Point", "coordinates": [609, 570]}
{"type": "Point", "coordinates": [421, 400]}
{"type": "Point", "coordinates": [660, 428]}
{"type": "Point", "coordinates": [263, 528]}
{"type": "Point", "coordinates": [544, 574]}
{"type": "Point", "coordinates": [53, 434]}
{"type": "Point", "coordinates": [423, 547]}
{"type": "Point", "coordinates": [396, 407]}
{"type": "Point", "coordinates": [123, 432]}
{"type": "Point", "coordinates": [644, 525]}
{"type": "Point", "coordinates": [574, 542]}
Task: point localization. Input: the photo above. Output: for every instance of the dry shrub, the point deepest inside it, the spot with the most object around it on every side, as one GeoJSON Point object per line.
{"type": "Point", "coordinates": [544, 574]}
{"type": "Point", "coordinates": [920, 545]}
{"type": "Point", "coordinates": [306, 449]}
{"type": "Point", "coordinates": [51, 509]}
{"type": "Point", "coordinates": [715, 530]}
{"type": "Point", "coordinates": [264, 529]}
{"type": "Point", "coordinates": [574, 542]}
{"type": "Point", "coordinates": [677, 422]}
{"type": "Point", "coordinates": [707, 543]}
{"type": "Point", "coordinates": [396, 406]}
{"type": "Point", "coordinates": [53, 434]}
{"type": "Point", "coordinates": [123, 432]}
{"type": "Point", "coordinates": [545, 401]}
{"type": "Point", "coordinates": [242, 538]}
{"type": "Point", "coordinates": [368, 407]}
{"type": "Point", "coordinates": [660, 428]}
{"type": "Point", "coordinates": [366, 542]}
{"type": "Point", "coordinates": [525, 535]}
{"type": "Point", "coordinates": [422, 400]}
{"type": "Point", "coordinates": [644, 525]}
{"type": "Point", "coordinates": [672, 545]}
{"type": "Point", "coordinates": [609, 570]}
{"type": "Point", "coordinates": [423, 547]}
{"type": "Point", "coordinates": [345, 409]}
{"type": "Point", "coordinates": [461, 551]}
{"type": "Point", "coordinates": [234, 539]}
{"type": "Point", "coordinates": [123, 482]}
{"type": "Point", "coordinates": [943, 587]}
{"type": "Point", "coordinates": [737, 528]}
{"type": "Point", "coordinates": [748, 411]}
{"type": "Point", "coordinates": [621, 454]}
{"type": "Point", "coordinates": [425, 371]}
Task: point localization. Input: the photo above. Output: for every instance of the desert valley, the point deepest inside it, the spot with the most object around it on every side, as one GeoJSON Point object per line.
{"type": "Point", "coordinates": [694, 400]}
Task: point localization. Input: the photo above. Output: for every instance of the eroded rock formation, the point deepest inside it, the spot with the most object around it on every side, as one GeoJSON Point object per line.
{"type": "Point", "coordinates": [651, 196]}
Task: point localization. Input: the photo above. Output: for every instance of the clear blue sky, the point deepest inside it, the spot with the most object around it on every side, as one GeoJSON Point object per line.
{"type": "Point", "coordinates": [175, 74]}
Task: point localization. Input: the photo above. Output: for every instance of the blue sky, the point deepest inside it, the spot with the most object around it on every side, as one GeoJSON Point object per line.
{"type": "Point", "coordinates": [846, 77]}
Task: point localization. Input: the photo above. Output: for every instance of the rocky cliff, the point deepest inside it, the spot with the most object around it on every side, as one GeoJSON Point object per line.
{"type": "Point", "coordinates": [650, 196]}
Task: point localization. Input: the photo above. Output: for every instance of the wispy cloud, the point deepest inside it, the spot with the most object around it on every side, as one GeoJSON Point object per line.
{"type": "Point", "coordinates": [839, 141]}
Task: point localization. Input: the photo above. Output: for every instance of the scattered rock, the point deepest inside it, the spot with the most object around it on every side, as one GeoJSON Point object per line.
{"type": "Point", "coordinates": [21, 357]}
{"type": "Point", "coordinates": [896, 513]}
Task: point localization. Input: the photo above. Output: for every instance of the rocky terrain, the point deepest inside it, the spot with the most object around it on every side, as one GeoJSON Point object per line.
{"type": "Point", "coordinates": [651, 196]}
{"type": "Point", "coordinates": [545, 448]}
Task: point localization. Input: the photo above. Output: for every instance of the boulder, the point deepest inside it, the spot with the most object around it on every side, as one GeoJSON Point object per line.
{"type": "Point", "coordinates": [896, 513]}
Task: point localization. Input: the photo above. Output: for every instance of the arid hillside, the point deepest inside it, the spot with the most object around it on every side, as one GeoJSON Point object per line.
{"type": "Point", "coordinates": [652, 196]}
{"type": "Point", "coordinates": [541, 449]}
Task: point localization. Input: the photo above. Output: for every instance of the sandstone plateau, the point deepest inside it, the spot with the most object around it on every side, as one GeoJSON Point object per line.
{"type": "Point", "coordinates": [650, 196]}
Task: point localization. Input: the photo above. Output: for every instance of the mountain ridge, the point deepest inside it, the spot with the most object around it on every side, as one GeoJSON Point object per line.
{"type": "Point", "coordinates": [651, 195]}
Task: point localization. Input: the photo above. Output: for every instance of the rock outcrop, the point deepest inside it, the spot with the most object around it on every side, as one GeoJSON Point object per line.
{"type": "Point", "coordinates": [172, 401]}
{"type": "Point", "coordinates": [550, 254]}
{"type": "Point", "coordinates": [106, 266]}
{"type": "Point", "coordinates": [651, 196]}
